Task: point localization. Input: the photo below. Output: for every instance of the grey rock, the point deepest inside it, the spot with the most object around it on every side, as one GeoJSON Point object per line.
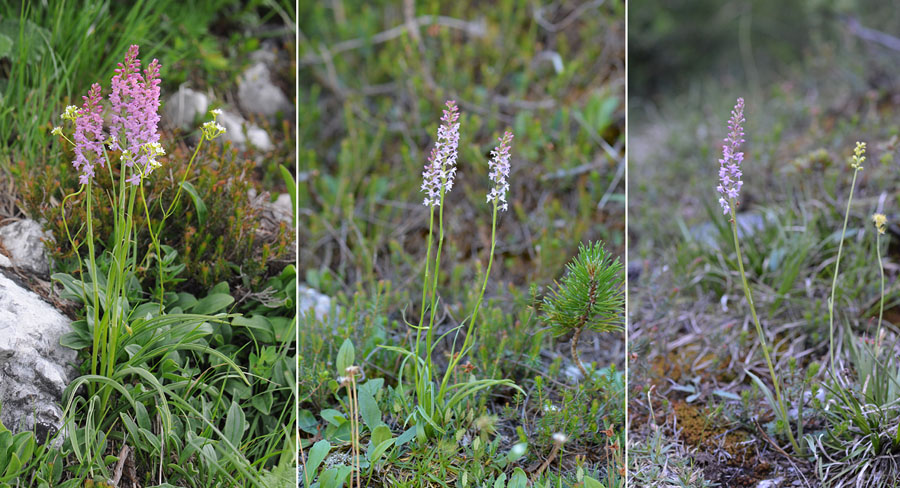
{"type": "Point", "coordinates": [258, 95]}
{"type": "Point", "coordinates": [264, 56]}
{"type": "Point", "coordinates": [185, 106]}
{"type": "Point", "coordinates": [34, 367]}
{"type": "Point", "coordinates": [23, 241]}
{"type": "Point", "coordinates": [314, 303]}
{"type": "Point", "coordinates": [283, 208]}
{"type": "Point", "coordinates": [572, 373]}
{"type": "Point", "coordinates": [242, 133]}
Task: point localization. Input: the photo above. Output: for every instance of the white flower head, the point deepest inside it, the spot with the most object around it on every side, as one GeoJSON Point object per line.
{"type": "Point", "coordinates": [560, 438]}
{"type": "Point", "coordinates": [437, 178]}
{"type": "Point", "coordinates": [499, 165]}
{"type": "Point", "coordinates": [57, 131]}
{"type": "Point", "coordinates": [212, 129]}
{"type": "Point", "coordinates": [71, 113]}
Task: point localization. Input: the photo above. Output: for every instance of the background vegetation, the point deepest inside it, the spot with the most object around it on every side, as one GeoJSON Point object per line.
{"type": "Point", "coordinates": [371, 93]}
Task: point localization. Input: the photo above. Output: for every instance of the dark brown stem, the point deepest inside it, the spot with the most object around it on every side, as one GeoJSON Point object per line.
{"type": "Point", "coordinates": [583, 320]}
{"type": "Point", "coordinates": [575, 352]}
{"type": "Point", "coordinates": [547, 462]}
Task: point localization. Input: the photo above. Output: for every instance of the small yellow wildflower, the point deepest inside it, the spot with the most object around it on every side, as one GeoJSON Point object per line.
{"type": "Point", "coordinates": [859, 155]}
{"type": "Point", "coordinates": [880, 222]}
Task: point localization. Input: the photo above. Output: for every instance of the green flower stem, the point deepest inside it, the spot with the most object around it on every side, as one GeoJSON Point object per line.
{"type": "Point", "coordinates": [429, 336]}
{"type": "Point", "coordinates": [171, 208]}
{"type": "Point", "coordinates": [881, 302]}
{"type": "Point", "coordinates": [759, 330]}
{"type": "Point", "coordinates": [424, 295]}
{"type": "Point", "coordinates": [470, 331]}
{"type": "Point", "coordinates": [92, 271]}
{"type": "Point", "coordinates": [837, 265]}
{"type": "Point", "coordinates": [121, 277]}
{"type": "Point", "coordinates": [154, 236]}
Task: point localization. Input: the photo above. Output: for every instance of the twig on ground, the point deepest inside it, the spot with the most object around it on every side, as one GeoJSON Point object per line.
{"type": "Point", "coordinates": [474, 29]}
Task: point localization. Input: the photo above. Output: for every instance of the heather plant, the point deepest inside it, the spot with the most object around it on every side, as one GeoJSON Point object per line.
{"type": "Point", "coordinates": [729, 188]}
{"type": "Point", "coordinates": [220, 233]}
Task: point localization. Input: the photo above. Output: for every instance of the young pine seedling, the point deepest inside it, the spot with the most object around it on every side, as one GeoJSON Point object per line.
{"type": "Point", "coordinates": [591, 296]}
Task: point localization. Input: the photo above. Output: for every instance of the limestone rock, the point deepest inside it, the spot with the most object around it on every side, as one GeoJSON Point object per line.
{"type": "Point", "coordinates": [235, 132]}
{"type": "Point", "coordinates": [258, 95]}
{"type": "Point", "coordinates": [185, 107]}
{"type": "Point", "coordinates": [313, 303]}
{"type": "Point", "coordinates": [23, 242]}
{"type": "Point", "coordinates": [34, 367]}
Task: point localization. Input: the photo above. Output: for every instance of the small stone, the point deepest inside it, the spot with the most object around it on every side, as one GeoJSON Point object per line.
{"type": "Point", "coordinates": [34, 368]}
{"type": "Point", "coordinates": [258, 95]}
{"type": "Point", "coordinates": [185, 107]}
{"type": "Point", "coordinates": [775, 483]}
{"type": "Point", "coordinates": [314, 303]}
{"type": "Point", "coordinates": [283, 208]}
{"type": "Point", "coordinates": [264, 56]}
{"type": "Point", "coordinates": [234, 131]}
{"type": "Point", "coordinates": [23, 242]}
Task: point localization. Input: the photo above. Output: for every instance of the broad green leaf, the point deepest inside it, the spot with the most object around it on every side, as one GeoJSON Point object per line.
{"type": "Point", "coordinates": [368, 408]}
{"type": "Point", "coordinates": [259, 326]}
{"type": "Point", "coordinates": [263, 402]}
{"type": "Point", "coordinates": [24, 445]}
{"type": "Point", "coordinates": [335, 477]}
{"type": "Point", "coordinates": [316, 455]}
{"type": "Point", "coordinates": [198, 202]}
{"type": "Point", "coordinates": [307, 422]}
{"type": "Point", "coordinates": [131, 427]}
{"type": "Point", "coordinates": [73, 340]}
{"type": "Point", "coordinates": [516, 452]}
{"type": "Point", "coordinates": [592, 483]}
{"type": "Point", "coordinates": [14, 465]}
{"type": "Point", "coordinates": [407, 436]}
{"type": "Point", "coordinates": [345, 357]}
{"type": "Point", "coordinates": [72, 288]}
{"type": "Point", "coordinates": [332, 416]}
{"type": "Point", "coordinates": [381, 434]}
{"type": "Point", "coordinates": [519, 479]}
{"type": "Point", "coordinates": [235, 422]}
{"type": "Point", "coordinates": [372, 386]}
{"type": "Point", "coordinates": [185, 301]}
{"type": "Point", "coordinates": [143, 418]}
{"type": "Point", "coordinates": [501, 481]}
{"type": "Point", "coordinates": [378, 450]}
{"type": "Point", "coordinates": [212, 303]}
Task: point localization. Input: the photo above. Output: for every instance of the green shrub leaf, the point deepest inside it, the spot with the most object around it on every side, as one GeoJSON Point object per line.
{"type": "Point", "coordinates": [345, 357]}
